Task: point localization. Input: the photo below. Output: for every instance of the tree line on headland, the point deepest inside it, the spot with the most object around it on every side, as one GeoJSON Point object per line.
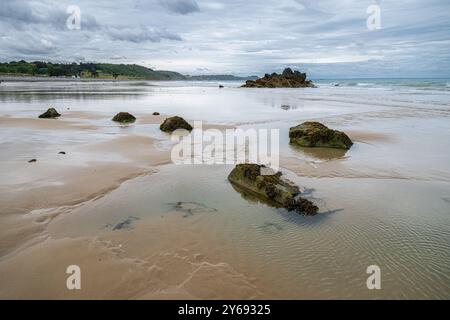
{"type": "Point", "coordinates": [86, 70]}
{"type": "Point", "coordinates": [98, 70]}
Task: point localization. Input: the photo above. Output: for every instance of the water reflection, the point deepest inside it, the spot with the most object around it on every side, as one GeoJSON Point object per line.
{"type": "Point", "coordinates": [324, 154]}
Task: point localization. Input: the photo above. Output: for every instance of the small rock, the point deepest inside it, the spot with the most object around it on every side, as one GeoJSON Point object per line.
{"type": "Point", "coordinates": [125, 223]}
{"type": "Point", "coordinates": [32, 160]}
{"type": "Point", "coordinates": [191, 208]}
{"type": "Point", "coordinates": [315, 134]}
{"type": "Point", "coordinates": [156, 113]}
{"type": "Point", "coordinates": [175, 123]}
{"type": "Point", "coordinates": [62, 152]}
{"type": "Point", "coordinates": [51, 113]}
{"type": "Point", "coordinates": [221, 86]}
{"type": "Point", "coordinates": [124, 117]}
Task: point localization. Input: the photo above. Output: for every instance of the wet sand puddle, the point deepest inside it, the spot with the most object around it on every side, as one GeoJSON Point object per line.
{"type": "Point", "coordinates": [196, 237]}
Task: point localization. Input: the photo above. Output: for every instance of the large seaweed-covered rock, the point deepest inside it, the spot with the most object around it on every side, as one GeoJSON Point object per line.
{"type": "Point", "coordinates": [288, 79]}
{"type": "Point", "coordinates": [124, 117]}
{"type": "Point", "coordinates": [175, 123]}
{"type": "Point", "coordinates": [271, 187]}
{"type": "Point", "coordinates": [51, 113]}
{"type": "Point", "coordinates": [315, 134]}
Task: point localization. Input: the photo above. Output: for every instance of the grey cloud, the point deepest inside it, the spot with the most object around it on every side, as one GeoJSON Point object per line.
{"type": "Point", "coordinates": [141, 34]}
{"type": "Point", "coordinates": [29, 45]}
{"type": "Point", "coordinates": [313, 7]}
{"type": "Point", "coordinates": [47, 17]}
{"type": "Point", "coordinates": [117, 57]}
{"type": "Point", "coordinates": [238, 36]}
{"type": "Point", "coordinates": [77, 58]}
{"type": "Point", "coordinates": [21, 14]}
{"type": "Point", "coordinates": [181, 6]}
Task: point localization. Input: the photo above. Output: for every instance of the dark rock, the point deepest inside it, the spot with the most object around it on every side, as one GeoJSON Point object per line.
{"type": "Point", "coordinates": [62, 152]}
{"type": "Point", "coordinates": [221, 86]}
{"type": "Point", "coordinates": [315, 134]}
{"type": "Point", "coordinates": [287, 72]}
{"type": "Point", "coordinates": [124, 117]}
{"type": "Point", "coordinates": [302, 206]}
{"type": "Point", "coordinates": [190, 208]}
{"type": "Point", "coordinates": [300, 77]}
{"type": "Point", "coordinates": [272, 188]}
{"type": "Point", "coordinates": [288, 79]}
{"type": "Point", "coordinates": [51, 113]}
{"type": "Point", "coordinates": [125, 223]}
{"type": "Point", "coordinates": [32, 160]}
{"type": "Point", "coordinates": [175, 123]}
{"type": "Point", "coordinates": [156, 113]}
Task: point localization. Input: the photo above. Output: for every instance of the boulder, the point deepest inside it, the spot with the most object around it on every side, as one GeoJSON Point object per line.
{"type": "Point", "coordinates": [288, 79]}
{"type": "Point", "coordinates": [271, 188]}
{"type": "Point", "coordinates": [315, 134]}
{"type": "Point", "coordinates": [51, 113]}
{"type": "Point", "coordinates": [124, 117]}
{"type": "Point", "coordinates": [175, 123]}
{"type": "Point", "coordinates": [287, 72]}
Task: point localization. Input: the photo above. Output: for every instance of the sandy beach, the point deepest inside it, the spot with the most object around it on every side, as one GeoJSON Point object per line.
{"type": "Point", "coordinates": [141, 227]}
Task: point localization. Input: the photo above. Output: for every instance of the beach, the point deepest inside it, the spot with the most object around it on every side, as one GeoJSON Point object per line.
{"type": "Point", "coordinates": [142, 227]}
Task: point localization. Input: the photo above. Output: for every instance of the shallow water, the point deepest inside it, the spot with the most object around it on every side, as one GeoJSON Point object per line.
{"type": "Point", "coordinates": [326, 256]}
{"type": "Point", "coordinates": [384, 202]}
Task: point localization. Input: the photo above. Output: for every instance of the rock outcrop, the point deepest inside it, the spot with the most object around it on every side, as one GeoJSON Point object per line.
{"type": "Point", "coordinates": [315, 134]}
{"type": "Point", "coordinates": [272, 188]}
{"type": "Point", "coordinates": [175, 123]}
{"type": "Point", "coordinates": [124, 117]}
{"type": "Point", "coordinates": [51, 113]}
{"type": "Point", "coordinates": [288, 79]}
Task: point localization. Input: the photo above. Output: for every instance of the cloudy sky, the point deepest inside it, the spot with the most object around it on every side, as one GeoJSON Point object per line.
{"type": "Point", "coordinates": [243, 37]}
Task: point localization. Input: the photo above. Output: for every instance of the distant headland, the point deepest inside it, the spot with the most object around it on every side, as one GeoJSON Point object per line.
{"type": "Point", "coordinates": [102, 71]}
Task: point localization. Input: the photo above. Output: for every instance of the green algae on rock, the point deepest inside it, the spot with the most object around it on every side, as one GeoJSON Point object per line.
{"type": "Point", "coordinates": [272, 188]}
{"type": "Point", "coordinates": [175, 123]}
{"type": "Point", "coordinates": [315, 134]}
{"type": "Point", "coordinates": [51, 113]}
{"type": "Point", "coordinates": [124, 117]}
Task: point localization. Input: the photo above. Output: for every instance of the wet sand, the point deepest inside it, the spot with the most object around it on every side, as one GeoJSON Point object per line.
{"type": "Point", "coordinates": [142, 228]}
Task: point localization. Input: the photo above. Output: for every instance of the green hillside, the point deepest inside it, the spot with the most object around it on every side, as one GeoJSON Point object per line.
{"type": "Point", "coordinates": [86, 70]}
